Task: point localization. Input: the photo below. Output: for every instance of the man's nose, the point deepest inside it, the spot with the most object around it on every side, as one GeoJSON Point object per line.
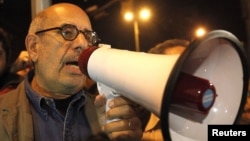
{"type": "Point", "coordinates": [80, 43]}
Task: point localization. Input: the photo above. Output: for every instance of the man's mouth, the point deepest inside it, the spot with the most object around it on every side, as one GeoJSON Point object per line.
{"type": "Point", "coordinates": [73, 63]}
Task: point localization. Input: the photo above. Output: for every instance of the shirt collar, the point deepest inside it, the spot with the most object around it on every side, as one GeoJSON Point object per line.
{"type": "Point", "coordinates": [39, 101]}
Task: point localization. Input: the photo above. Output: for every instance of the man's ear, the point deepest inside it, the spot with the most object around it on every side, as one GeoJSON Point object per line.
{"type": "Point", "coordinates": [31, 42]}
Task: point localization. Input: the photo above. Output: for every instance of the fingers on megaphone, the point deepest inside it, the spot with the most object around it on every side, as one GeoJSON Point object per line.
{"type": "Point", "coordinates": [110, 94]}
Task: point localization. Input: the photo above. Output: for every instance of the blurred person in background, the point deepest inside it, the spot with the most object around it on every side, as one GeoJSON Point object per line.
{"type": "Point", "coordinates": [8, 80]}
{"type": "Point", "coordinates": [245, 119]}
{"type": "Point", "coordinates": [22, 64]}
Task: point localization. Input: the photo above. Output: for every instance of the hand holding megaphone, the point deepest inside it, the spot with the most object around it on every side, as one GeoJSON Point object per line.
{"type": "Point", "coordinates": [109, 93]}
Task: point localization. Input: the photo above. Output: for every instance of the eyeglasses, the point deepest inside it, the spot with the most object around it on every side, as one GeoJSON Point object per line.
{"type": "Point", "coordinates": [70, 32]}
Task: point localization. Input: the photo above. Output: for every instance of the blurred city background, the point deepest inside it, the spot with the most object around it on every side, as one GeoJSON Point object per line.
{"type": "Point", "coordinates": [168, 19]}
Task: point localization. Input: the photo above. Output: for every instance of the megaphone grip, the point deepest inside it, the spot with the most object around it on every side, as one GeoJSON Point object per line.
{"type": "Point", "coordinates": [109, 93]}
{"type": "Point", "coordinates": [194, 93]}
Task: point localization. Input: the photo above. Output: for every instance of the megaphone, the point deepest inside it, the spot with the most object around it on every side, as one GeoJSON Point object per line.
{"type": "Point", "coordinates": [214, 70]}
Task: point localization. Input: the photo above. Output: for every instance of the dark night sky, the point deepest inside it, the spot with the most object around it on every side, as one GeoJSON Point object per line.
{"type": "Point", "coordinates": [170, 19]}
{"type": "Point", "coordinates": [173, 19]}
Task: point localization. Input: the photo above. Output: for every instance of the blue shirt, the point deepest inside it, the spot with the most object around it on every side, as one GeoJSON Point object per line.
{"type": "Point", "coordinates": [50, 125]}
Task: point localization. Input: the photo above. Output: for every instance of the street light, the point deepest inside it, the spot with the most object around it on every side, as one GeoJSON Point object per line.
{"type": "Point", "coordinates": [144, 14]}
{"type": "Point", "coordinates": [199, 32]}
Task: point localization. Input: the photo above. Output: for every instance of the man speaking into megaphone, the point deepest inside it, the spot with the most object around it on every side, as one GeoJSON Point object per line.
{"type": "Point", "coordinates": [182, 112]}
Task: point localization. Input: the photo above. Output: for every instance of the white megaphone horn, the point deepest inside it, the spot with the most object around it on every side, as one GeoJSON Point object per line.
{"type": "Point", "coordinates": [213, 71]}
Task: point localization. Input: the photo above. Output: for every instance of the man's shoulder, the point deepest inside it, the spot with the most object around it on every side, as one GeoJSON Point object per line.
{"type": "Point", "coordinates": [12, 95]}
{"type": "Point", "coordinates": [8, 97]}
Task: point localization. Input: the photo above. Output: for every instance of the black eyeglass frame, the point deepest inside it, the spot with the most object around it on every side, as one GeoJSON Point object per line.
{"type": "Point", "coordinates": [93, 39]}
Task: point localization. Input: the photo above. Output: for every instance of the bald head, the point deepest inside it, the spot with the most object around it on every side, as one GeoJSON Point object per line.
{"type": "Point", "coordinates": [58, 14]}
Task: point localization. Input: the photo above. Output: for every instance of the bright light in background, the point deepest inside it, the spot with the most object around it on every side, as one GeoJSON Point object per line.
{"type": "Point", "coordinates": [145, 14]}
{"type": "Point", "coordinates": [128, 16]}
{"type": "Point", "coordinates": [200, 32]}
